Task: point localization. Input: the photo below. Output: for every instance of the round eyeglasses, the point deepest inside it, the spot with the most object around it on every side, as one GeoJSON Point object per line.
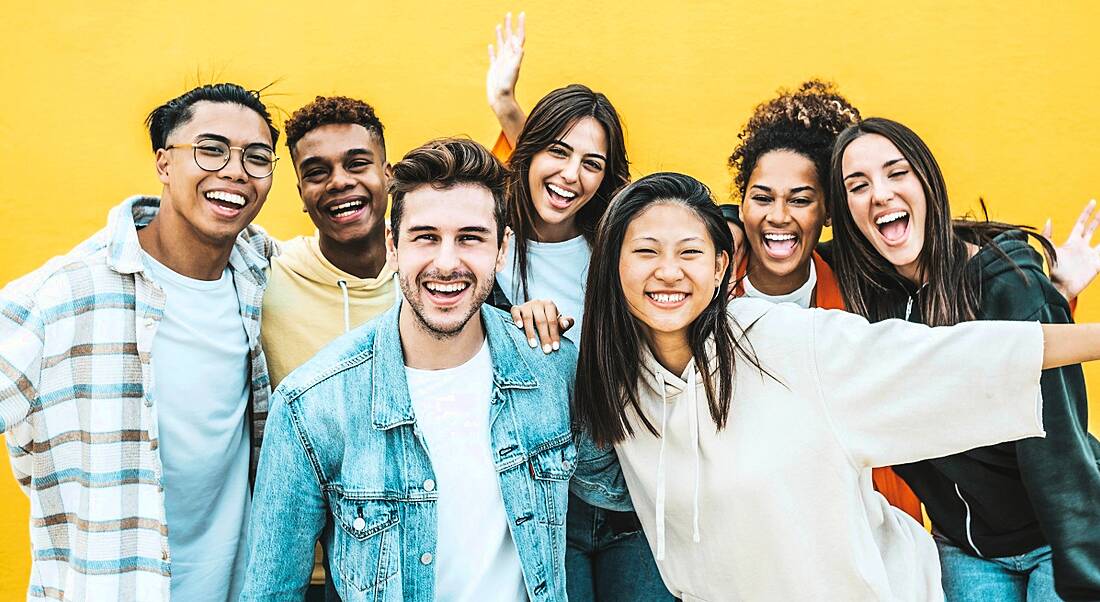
{"type": "Point", "coordinates": [257, 159]}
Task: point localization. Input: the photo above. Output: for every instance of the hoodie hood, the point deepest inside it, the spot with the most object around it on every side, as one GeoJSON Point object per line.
{"type": "Point", "coordinates": [303, 257]}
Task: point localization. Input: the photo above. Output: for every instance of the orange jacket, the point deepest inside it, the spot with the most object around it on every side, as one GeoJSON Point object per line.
{"type": "Point", "coordinates": [827, 296]}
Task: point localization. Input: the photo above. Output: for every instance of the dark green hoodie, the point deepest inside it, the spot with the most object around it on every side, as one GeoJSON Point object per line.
{"type": "Point", "coordinates": [1011, 498]}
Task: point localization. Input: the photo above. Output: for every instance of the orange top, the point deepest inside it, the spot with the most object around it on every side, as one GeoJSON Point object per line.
{"type": "Point", "coordinates": [827, 296]}
{"type": "Point", "coordinates": [502, 149]}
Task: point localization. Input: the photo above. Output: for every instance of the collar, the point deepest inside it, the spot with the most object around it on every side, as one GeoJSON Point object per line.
{"type": "Point", "coordinates": [390, 402]}
{"type": "Point", "coordinates": [124, 250]}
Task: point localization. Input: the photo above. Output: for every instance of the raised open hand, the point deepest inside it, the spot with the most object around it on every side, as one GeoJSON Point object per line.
{"type": "Point", "coordinates": [1078, 260]}
{"type": "Point", "coordinates": [505, 58]}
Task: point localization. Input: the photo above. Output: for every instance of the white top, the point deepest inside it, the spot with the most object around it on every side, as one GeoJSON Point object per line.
{"type": "Point", "coordinates": [802, 296]}
{"type": "Point", "coordinates": [556, 271]}
{"type": "Point", "coordinates": [785, 506]}
{"type": "Point", "coordinates": [200, 361]}
{"type": "Point", "coordinates": [476, 557]}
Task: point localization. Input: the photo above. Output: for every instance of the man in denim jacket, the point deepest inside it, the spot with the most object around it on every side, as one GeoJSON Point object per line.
{"type": "Point", "coordinates": [433, 441]}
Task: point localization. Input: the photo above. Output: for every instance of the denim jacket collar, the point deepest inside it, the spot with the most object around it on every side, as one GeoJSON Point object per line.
{"type": "Point", "coordinates": [390, 401]}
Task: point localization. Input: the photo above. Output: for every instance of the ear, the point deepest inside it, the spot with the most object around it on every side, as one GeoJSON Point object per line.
{"type": "Point", "coordinates": [502, 252]}
{"type": "Point", "coordinates": [387, 174]}
{"type": "Point", "coordinates": [391, 248]}
{"type": "Point", "coordinates": [162, 160]}
{"type": "Point", "coordinates": [721, 262]}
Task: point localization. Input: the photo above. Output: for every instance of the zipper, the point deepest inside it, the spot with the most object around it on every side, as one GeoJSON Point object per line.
{"type": "Point", "coordinates": [908, 308]}
{"type": "Point", "coordinates": [969, 535]}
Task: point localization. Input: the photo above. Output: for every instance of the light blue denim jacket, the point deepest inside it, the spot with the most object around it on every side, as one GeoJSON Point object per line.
{"type": "Point", "coordinates": [342, 442]}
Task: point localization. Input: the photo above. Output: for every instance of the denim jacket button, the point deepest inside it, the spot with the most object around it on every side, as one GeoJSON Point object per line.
{"type": "Point", "coordinates": [429, 485]}
{"type": "Point", "coordinates": [426, 558]}
{"type": "Point", "coordinates": [358, 524]}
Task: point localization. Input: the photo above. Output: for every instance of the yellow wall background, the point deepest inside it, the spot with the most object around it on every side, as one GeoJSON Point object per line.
{"type": "Point", "coordinates": [1006, 93]}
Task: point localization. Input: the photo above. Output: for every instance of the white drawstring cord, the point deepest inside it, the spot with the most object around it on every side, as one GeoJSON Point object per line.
{"type": "Point", "coordinates": [660, 555]}
{"type": "Point", "coordinates": [347, 304]}
{"type": "Point", "coordinates": [693, 417]}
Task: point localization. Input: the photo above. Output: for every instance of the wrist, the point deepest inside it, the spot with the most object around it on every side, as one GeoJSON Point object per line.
{"type": "Point", "coordinates": [505, 105]}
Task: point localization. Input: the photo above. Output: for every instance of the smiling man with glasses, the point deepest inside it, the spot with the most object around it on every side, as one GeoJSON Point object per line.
{"type": "Point", "coordinates": [133, 387]}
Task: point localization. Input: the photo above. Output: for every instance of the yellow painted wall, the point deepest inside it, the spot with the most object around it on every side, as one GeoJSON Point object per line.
{"type": "Point", "coordinates": [1006, 93]}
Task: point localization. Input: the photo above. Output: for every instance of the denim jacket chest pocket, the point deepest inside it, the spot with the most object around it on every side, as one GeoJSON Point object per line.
{"type": "Point", "coordinates": [365, 550]}
{"type": "Point", "coordinates": [552, 468]}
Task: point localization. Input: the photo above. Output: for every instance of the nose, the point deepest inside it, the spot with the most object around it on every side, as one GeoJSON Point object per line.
{"type": "Point", "coordinates": [234, 169]}
{"type": "Point", "coordinates": [341, 180]}
{"type": "Point", "coordinates": [446, 259]}
{"type": "Point", "coordinates": [778, 213]}
{"type": "Point", "coordinates": [571, 171]}
{"type": "Point", "coordinates": [669, 269]}
{"type": "Point", "coordinates": [881, 193]}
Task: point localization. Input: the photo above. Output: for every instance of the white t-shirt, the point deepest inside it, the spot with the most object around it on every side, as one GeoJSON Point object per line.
{"type": "Point", "coordinates": [556, 271]}
{"type": "Point", "coordinates": [200, 371]}
{"type": "Point", "coordinates": [476, 558]}
{"type": "Point", "coordinates": [802, 296]}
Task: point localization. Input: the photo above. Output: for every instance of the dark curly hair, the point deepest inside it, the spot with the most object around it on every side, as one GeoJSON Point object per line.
{"type": "Point", "coordinates": [805, 121]}
{"type": "Point", "coordinates": [327, 110]}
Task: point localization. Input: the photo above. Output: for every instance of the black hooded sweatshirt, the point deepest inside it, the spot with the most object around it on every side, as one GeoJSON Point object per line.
{"type": "Point", "coordinates": [1011, 498]}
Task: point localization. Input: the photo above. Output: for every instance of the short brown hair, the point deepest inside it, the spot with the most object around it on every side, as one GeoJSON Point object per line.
{"type": "Point", "coordinates": [444, 163]}
{"type": "Point", "coordinates": [328, 110]}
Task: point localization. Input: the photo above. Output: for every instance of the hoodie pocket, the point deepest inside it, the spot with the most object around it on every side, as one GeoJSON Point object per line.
{"type": "Point", "coordinates": [552, 469]}
{"type": "Point", "coordinates": [366, 545]}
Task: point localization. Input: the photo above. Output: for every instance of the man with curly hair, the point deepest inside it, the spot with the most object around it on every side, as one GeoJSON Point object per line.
{"type": "Point", "coordinates": [326, 284]}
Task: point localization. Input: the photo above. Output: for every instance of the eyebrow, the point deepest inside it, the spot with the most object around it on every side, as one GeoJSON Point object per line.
{"type": "Point", "coordinates": [350, 153]}
{"type": "Point", "coordinates": [884, 165]}
{"type": "Point", "coordinates": [464, 229]}
{"type": "Point", "coordinates": [769, 190]}
{"type": "Point", "coordinates": [224, 140]}
{"type": "Point", "coordinates": [596, 155]}
{"type": "Point", "coordinates": [682, 240]}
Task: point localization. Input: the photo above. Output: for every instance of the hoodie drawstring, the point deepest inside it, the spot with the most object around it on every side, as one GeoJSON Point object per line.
{"type": "Point", "coordinates": [693, 423]}
{"type": "Point", "coordinates": [347, 305]}
{"type": "Point", "coordinates": [660, 555]}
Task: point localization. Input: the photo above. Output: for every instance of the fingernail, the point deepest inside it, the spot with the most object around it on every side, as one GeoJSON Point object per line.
{"type": "Point", "coordinates": [546, 348]}
{"type": "Point", "coordinates": [556, 346]}
{"type": "Point", "coordinates": [533, 343]}
{"type": "Point", "coordinates": [519, 323]}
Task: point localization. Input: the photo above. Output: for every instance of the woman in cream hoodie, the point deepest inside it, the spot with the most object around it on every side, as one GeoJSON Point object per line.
{"type": "Point", "coordinates": [754, 483]}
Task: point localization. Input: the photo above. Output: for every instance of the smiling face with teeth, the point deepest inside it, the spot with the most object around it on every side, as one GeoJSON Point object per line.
{"type": "Point", "coordinates": [669, 269]}
{"type": "Point", "coordinates": [342, 176]}
{"type": "Point", "coordinates": [564, 176]}
{"type": "Point", "coordinates": [211, 207]}
{"type": "Point", "coordinates": [446, 254]}
{"type": "Point", "coordinates": [783, 211]}
{"type": "Point", "coordinates": [887, 202]}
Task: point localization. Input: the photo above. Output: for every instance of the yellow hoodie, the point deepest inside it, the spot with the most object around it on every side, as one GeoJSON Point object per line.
{"type": "Point", "coordinates": [309, 302]}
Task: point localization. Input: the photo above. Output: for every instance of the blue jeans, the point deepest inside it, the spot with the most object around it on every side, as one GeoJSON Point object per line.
{"type": "Point", "coordinates": [607, 557]}
{"type": "Point", "coordinates": [966, 578]}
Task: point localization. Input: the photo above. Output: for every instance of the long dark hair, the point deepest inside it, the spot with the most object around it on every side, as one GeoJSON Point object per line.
{"type": "Point", "coordinates": [549, 120]}
{"type": "Point", "coordinates": [870, 284]}
{"type": "Point", "coordinates": [611, 345]}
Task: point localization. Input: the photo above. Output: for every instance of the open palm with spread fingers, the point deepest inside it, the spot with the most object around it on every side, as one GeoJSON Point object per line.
{"type": "Point", "coordinates": [1078, 260]}
{"type": "Point", "coordinates": [505, 58]}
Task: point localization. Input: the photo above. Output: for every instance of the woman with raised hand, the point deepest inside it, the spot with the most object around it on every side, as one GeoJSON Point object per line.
{"type": "Point", "coordinates": [1013, 521]}
{"type": "Point", "coordinates": [569, 157]}
{"type": "Point", "coordinates": [747, 438]}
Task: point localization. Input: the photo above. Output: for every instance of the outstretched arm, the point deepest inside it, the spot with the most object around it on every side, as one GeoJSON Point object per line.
{"type": "Point", "coordinates": [1068, 344]}
{"type": "Point", "coordinates": [1078, 261]}
{"type": "Point", "coordinates": [500, 81]}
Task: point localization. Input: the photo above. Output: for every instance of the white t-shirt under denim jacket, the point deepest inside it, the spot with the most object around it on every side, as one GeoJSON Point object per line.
{"type": "Point", "coordinates": [779, 505]}
{"type": "Point", "coordinates": [345, 444]}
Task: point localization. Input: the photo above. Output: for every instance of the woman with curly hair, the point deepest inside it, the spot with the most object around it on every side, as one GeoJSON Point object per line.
{"type": "Point", "coordinates": [781, 168]}
{"type": "Point", "coordinates": [569, 158]}
{"type": "Point", "coordinates": [1013, 521]}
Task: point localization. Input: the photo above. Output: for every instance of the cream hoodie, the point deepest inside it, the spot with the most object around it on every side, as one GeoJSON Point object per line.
{"type": "Point", "coordinates": [779, 505]}
{"type": "Point", "coordinates": [309, 302]}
